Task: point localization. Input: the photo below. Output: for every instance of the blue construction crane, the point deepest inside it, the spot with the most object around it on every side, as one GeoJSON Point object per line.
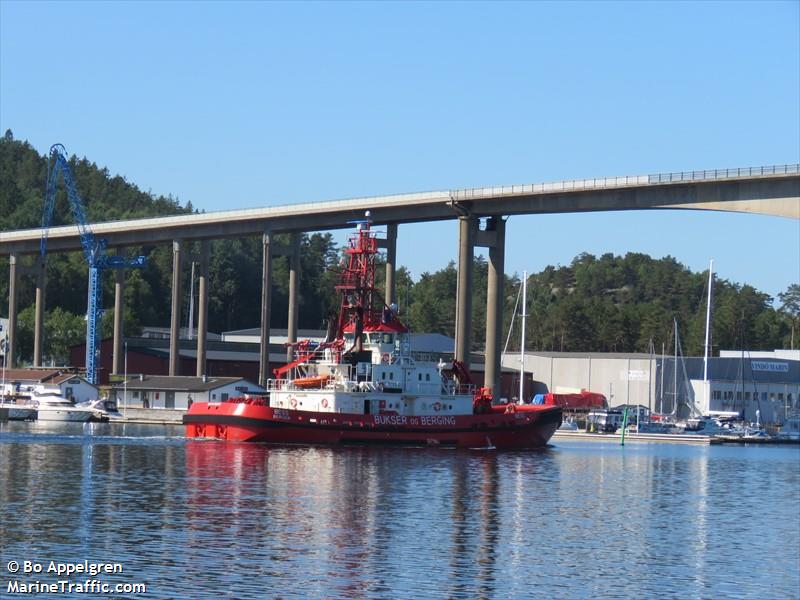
{"type": "Point", "coordinates": [94, 250]}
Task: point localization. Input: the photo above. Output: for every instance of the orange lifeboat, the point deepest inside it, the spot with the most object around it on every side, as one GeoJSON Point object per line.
{"type": "Point", "coordinates": [318, 381]}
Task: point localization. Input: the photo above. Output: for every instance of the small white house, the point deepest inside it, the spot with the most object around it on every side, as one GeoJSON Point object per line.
{"type": "Point", "coordinates": [161, 391]}
{"type": "Point", "coordinates": [73, 387]}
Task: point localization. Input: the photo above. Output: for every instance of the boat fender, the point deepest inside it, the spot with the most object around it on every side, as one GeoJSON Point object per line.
{"type": "Point", "coordinates": [324, 403]}
{"type": "Point", "coordinates": [293, 402]}
{"type": "Point", "coordinates": [437, 406]}
{"type": "Point", "coordinates": [385, 358]}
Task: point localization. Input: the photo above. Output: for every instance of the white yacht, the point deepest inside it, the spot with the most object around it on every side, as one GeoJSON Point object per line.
{"type": "Point", "coordinates": [52, 406]}
{"type": "Point", "coordinates": [18, 412]}
{"type": "Point", "coordinates": [706, 425]}
{"type": "Point", "coordinates": [104, 409]}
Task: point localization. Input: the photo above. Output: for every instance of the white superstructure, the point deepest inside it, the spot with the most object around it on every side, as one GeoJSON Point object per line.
{"type": "Point", "coordinates": [383, 380]}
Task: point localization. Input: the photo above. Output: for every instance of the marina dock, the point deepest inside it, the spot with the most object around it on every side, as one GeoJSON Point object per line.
{"type": "Point", "coordinates": [666, 438]}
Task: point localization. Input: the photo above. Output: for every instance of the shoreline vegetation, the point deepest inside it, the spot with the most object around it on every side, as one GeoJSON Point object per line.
{"type": "Point", "coordinates": [608, 303]}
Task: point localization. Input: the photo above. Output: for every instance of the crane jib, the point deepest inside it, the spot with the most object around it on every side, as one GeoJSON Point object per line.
{"type": "Point", "coordinates": [94, 249]}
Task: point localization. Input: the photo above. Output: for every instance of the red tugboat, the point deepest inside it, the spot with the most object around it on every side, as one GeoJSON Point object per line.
{"type": "Point", "coordinates": [362, 386]}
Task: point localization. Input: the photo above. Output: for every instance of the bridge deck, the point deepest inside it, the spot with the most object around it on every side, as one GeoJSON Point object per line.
{"type": "Point", "coordinates": [771, 190]}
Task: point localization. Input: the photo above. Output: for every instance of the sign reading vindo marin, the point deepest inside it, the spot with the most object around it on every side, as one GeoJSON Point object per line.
{"type": "Point", "coordinates": [768, 365]}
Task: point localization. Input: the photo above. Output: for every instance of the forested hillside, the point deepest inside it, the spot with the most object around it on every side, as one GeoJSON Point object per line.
{"type": "Point", "coordinates": [610, 303]}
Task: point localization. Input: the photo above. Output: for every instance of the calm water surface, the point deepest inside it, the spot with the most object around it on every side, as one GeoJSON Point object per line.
{"type": "Point", "coordinates": [202, 519]}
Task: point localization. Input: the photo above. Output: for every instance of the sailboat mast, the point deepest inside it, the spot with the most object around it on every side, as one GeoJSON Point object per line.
{"type": "Point", "coordinates": [650, 382]}
{"type": "Point", "coordinates": [675, 371]}
{"type": "Point", "coordinates": [663, 372]}
{"type": "Point", "coordinates": [522, 336]}
{"type": "Point", "coordinates": [708, 333]}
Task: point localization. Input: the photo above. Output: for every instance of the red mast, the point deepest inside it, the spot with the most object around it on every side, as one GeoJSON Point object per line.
{"type": "Point", "coordinates": [361, 307]}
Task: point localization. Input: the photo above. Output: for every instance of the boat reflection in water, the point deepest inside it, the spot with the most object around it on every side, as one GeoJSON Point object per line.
{"type": "Point", "coordinates": [192, 517]}
{"type": "Point", "coordinates": [358, 523]}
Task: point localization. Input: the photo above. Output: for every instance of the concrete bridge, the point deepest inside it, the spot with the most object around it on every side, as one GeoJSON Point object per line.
{"type": "Point", "coordinates": [773, 190]}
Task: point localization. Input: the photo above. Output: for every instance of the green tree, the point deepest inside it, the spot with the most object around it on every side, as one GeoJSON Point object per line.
{"type": "Point", "coordinates": [790, 307]}
{"type": "Point", "coordinates": [62, 331]}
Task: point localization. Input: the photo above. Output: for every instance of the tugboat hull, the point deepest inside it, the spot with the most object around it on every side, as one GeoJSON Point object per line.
{"type": "Point", "coordinates": [525, 427]}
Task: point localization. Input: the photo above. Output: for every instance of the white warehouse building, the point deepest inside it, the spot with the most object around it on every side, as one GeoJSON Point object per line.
{"type": "Point", "coordinates": [767, 382]}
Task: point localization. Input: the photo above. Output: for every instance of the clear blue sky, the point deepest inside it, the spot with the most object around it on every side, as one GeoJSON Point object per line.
{"type": "Point", "coordinates": [234, 105]}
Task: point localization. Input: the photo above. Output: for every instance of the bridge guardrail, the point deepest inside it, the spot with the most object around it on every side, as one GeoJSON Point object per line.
{"type": "Point", "coordinates": [630, 180]}
{"type": "Point", "coordinates": [724, 173]}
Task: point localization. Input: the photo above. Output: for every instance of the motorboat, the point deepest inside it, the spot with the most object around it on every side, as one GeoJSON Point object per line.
{"type": "Point", "coordinates": [790, 430]}
{"type": "Point", "coordinates": [363, 386]}
{"type": "Point", "coordinates": [568, 425]}
{"type": "Point", "coordinates": [706, 425]}
{"type": "Point", "coordinates": [105, 410]}
{"type": "Point", "coordinates": [18, 411]}
{"type": "Point", "coordinates": [52, 406]}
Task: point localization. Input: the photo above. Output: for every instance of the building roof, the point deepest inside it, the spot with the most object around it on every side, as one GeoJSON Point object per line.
{"type": "Point", "coordinates": [213, 355]}
{"type": "Point", "coordinates": [59, 379]}
{"type": "Point", "coordinates": [780, 354]}
{"type": "Point", "coordinates": [432, 342]}
{"type": "Point", "coordinates": [37, 375]}
{"type": "Point", "coordinates": [275, 332]}
{"type": "Point", "coordinates": [556, 354]}
{"type": "Point", "coordinates": [180, 383]}
{"type": "Point", "coordinates": [183, 333]}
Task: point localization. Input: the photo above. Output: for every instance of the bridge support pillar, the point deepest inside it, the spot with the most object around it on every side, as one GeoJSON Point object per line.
{"type": "Point", "coordinates": [119, 291]}
{"type": "Point", "coordinates": [175, 328]}
{"type": "Point", "coordinates": [12, 312]}
{"type": "Point", "coordinates": [495, 235]}
{"type": "Point", "coordinates": [202, 310]}
{"type": "Point", "coordinates": [41, 282]}
{"type": "Point", "coordinates": [391, 262]}
{"type": "Point", "coordinates": [294, 273]}
{"type": "Point", "coordinates": [266, 285]}
{"type": "Point", "coordinates": [467, 226]}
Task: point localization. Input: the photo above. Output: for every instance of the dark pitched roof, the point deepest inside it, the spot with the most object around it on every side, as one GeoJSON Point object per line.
{"type": "Point", "coordinates": [32, 375]}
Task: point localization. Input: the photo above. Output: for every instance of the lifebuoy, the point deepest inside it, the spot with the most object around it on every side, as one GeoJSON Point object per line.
{"type": "Point", "coordinates": [293, 402]}
{"type": "Point", "coordinates": [324, 403]}
{"type": "Point", "coordinates": [385, 358]}
{"type": "Point", "coordinates": [437, 406]}
{"type": "Point", "coordinates": [511, 408]}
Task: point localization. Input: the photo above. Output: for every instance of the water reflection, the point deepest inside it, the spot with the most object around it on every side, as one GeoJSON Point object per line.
{"type": "Point", "coordinates": [199, 519]}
